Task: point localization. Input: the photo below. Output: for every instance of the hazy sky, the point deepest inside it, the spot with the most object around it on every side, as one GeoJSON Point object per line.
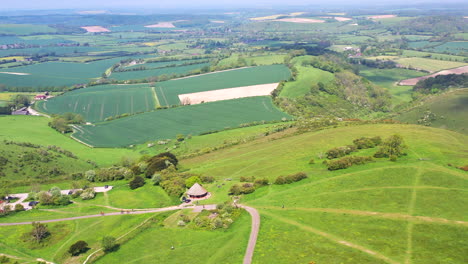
{"type": "Point", "coordinates": [109, 4]}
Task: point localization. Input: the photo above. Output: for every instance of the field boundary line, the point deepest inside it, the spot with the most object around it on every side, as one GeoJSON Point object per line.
{"type": "Point", "coordinates": [335, 239]}
{"type": "Point", "coordinates": [409, 230]}
{"type": "Point", "coordinates": [192, 76]}
{"type": "Point", "coordinates": [72, 136]}
{"type": "Point", "coordinates": [155, 96]}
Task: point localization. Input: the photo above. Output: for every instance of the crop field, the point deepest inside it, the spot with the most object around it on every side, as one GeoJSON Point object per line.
{"type": "Point", "coordinates": [258, 60]}
{"type": "Point", "coordinates": [55, 73]}
{"type": "Point", "coordinates": [96, 103]}
{"type": "Point", "coordinates": [335, 213]}
{"type": "Point", "coordinates": [35, 130]}
{"type": "Point", "coordinates": [24, 29]}
{"type": "Point", "coordinates": [450, 111]}
{"type": "Point", "coordinates": [389, 78]}
{"type": "Point", "coordinates": [136, 75]}
{"type": "Point", "coordinates": [165, 124]}
{"type": "Point", "coordinates": [428, 64]}
{"type": "Point", "coordinates": [49, 50]}
{"type": "Point", "coordinates": [456, 47]}
{"type": "Point", "coordinates": [168, 91]}
{"type": "Point", "coordinates": [437, 56]}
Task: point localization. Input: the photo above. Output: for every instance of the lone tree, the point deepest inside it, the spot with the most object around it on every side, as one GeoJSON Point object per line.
{"type": "Point", "coordinates": [160, 162]}
{"type": "Point", "coordinates": [78, 248]}
{"type": "Point", "coordinates": [137, 182]}
{"type": "Point", "coordinates": [109, 243]}
{"type": "Point", "coordinates": [39, 231]}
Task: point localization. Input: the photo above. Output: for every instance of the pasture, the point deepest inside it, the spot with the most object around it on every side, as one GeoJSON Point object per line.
{"type": "Point", "coordinates": [165, 124]}
{"type": "Point", "coordinates": [335, 213]}
{"type": "Point", "coordinates": [450, 111]}
{"type": "Point", "coordinates": [97, 103]}
{"type": "Point", "coordinates": [168, 91]}
{"type": "Point", "coordinates": [307, 76]}
{"type": "Point", "coordinates": [428, 64]}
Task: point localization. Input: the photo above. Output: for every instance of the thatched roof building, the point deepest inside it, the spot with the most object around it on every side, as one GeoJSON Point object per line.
{"type": "Point", "coordinates": [197, 191]}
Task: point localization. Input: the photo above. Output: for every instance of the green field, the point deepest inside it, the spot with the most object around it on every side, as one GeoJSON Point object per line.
{"type": "Point", "coordinates": [165, 124]}
{"type": "Point", "coordinates": [56, 73]}
{"type": "Point", "coordinates": [24, 29]}
{"type": "Point", "coordinates": [96, 103]}
{"type": "Point", "coordinates": [168, 91]}
{"type": "Point", "coordinates": [307, 76]}
{"type": "Point", "coordinates": [437, 56]}
{"type": "Point", "coordinates": [336, 213]}
{"type": "Point", "coordinates": [456, 47]}
{"type": "Point", "coordinates": [428, 64]}
{"type": "Point", "coordinates": [388, 78]}
{"type": "Point", "coordinates": [137, 75]}
{"type": "Point", "coordinates": [450, 109]}
{"type": "Point", "coordinates": [35, 130]}
{"type": "Point", "coordinates": [253, 59]}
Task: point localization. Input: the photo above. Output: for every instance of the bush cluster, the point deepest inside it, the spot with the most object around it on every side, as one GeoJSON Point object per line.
{"type": "Point", "coordinates": [290, 178]}
{"type": "Point", "coordinates": [244, 188]}
{"type": "Point", "coordinates": [137, 182]}
{"type": "Point", "coordinates": [340, 151]}
{"type": "Point", "coordinates": [347, 162]}
{"type": "Point", "coordinates": [392, 148]}
{"type": "Point", "coordinates": [365, 142]}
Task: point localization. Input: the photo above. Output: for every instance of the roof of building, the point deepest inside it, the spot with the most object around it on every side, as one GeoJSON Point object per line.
{"type": "Point", "coordinates": [196, 190]}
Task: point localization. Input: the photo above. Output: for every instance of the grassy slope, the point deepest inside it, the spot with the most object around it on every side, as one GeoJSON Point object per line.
{"type": "Point", "coordinates": [321, 211]}
{"type": "Point", "coordinates": [165, 124]}
{"type": "Point", "coordinates": [306, 77]}
{"type": "Point", "coordinates": [35, 130]}
{"type": "Point", "coordinates": [99, 102]}
{"type": "Point", "coordinates": [388, 78]}
{"type": "Point", "coordinates": [451, 110]}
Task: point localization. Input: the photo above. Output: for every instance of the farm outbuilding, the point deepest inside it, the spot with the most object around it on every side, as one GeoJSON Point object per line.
{"type": "Point", "coordinates": [197, 191]}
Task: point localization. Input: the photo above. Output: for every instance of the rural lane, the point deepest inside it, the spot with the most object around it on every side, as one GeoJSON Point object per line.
{"type": "Point", "coordinates": [253, 233]}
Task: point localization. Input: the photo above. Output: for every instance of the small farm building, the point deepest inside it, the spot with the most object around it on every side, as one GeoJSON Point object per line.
{"type": "Point", "coordinates": [197, 191]}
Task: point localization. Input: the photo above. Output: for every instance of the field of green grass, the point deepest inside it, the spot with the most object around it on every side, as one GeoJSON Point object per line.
{"type": "Point", "coordinates": [165, 124]}
{"type": "Point", "coordinates": [56, 73]}
{"type": "Point", "coordinates": [136, 75]}
{"type": "Point", "coordinates": [24, 29]}
{"type": "Point", "coordinates": [428, 64]}
{"type": "Point", "coordinates": [450, 109]}
{"type": "Point", "coordinates": [336, 213]}
{"type": "Point", "coordinates": [257, 59]}
{"type": "Point", "coordinates": [97, 103]}
{"type": "Point", "coordinates": [437, 56]}
{"type": "Point", "coordinates": [168, 91]}
{"type": "Point", "coordinates": [456, 47]}
{"type": "Point", "coordinates": [307, 76]}
{"type": "Point", "coordinates": [35, 130]}
{"type": "Point", "coordinates": [388, 78]}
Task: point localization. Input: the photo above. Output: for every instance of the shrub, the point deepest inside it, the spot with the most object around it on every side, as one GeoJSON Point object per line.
{"type": "Point", "coordinates": [365, 142]}
{"type": "Point", "coordinates": [290, 178]}
{"type": "Point", "coordinates": [247, 179]}
{"type": "Point", "coordinates": [392, 148]}
{"type": "Point", "coordinates": [244, 188]}
{"type": "Point", "coordinates": [78, 248]}
{"type": "Point", "coordinates": [261, 182]}
{"type": "Point", "coordinates": [347, 162]}
{"type": "Point", "coordinates": [207, 179]}
{"type": "Point", "coordinates": [19, 207]}
{"type": "Point", "coordinates": [312, 161]}
{"type": "Point", "coordinates": [39, 232]}
{"type": "Point", "coordinates": [156, 179]}
{"type": "Point", "coordinates": [88, 194]}
{"type": "Point", "coordinates": [191, 181]}
{"type": "Point", "coordinates": [137, 182]}
{"type": "Point", "coordinates": [109, 243]}
{"type": "Point", "coordinates": [340, 151]}
{"type": "Point", "coordinates": [160, 162]}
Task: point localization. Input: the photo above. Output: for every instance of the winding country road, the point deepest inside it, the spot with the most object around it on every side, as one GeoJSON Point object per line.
{"type": "Point", "coordinates": [253, 233]}
{"type": "Point", "coordinates": [252, 211]}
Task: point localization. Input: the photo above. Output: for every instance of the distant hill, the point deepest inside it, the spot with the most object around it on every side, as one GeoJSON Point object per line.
{"type": "Point", "coordinates": [448, 111]}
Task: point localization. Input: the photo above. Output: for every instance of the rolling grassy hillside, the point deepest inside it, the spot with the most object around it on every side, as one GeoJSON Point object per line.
{"type": "Point", "coordinates": [165, 124]}
{"type": "Point", "coordinates": [307, 76]}
{"type": "Point", "coordinates": [448, 110]}
{"type": "Point", "coordinates": [382, 212]}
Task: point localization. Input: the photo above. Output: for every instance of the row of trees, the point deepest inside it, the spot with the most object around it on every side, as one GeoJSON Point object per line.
{"type": "Point", "coordinates": [62, 123]}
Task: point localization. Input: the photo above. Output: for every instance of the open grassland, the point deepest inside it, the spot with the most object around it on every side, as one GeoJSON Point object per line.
{"type": "Point", "coordinates": [165, 124]}
{"type": "Point", "coordinates": [24, 29]}
{"type": "Point", "coordinates": [336, 213]}
{"type": "Point", "coordinates": [450, 110]}
{"type": "Point", "coordinates": [97, 103]}
{"type": "Point", "coordinates": [168, 91]}
{"type": "Point", "coordinates": [35, 130]}
{"type": "Point", "coordinates": [137, 75]}
{"type": "Point", "coordinates": [56, 73]}
{"type": "Point", "coordinates": [307, 76]}
{"type": "Point", "coordinates": [389, 78]}
{"type": "Point", "coordinates": [220, 246]}
{"type": "Point", "coordinates": [428, 64]}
